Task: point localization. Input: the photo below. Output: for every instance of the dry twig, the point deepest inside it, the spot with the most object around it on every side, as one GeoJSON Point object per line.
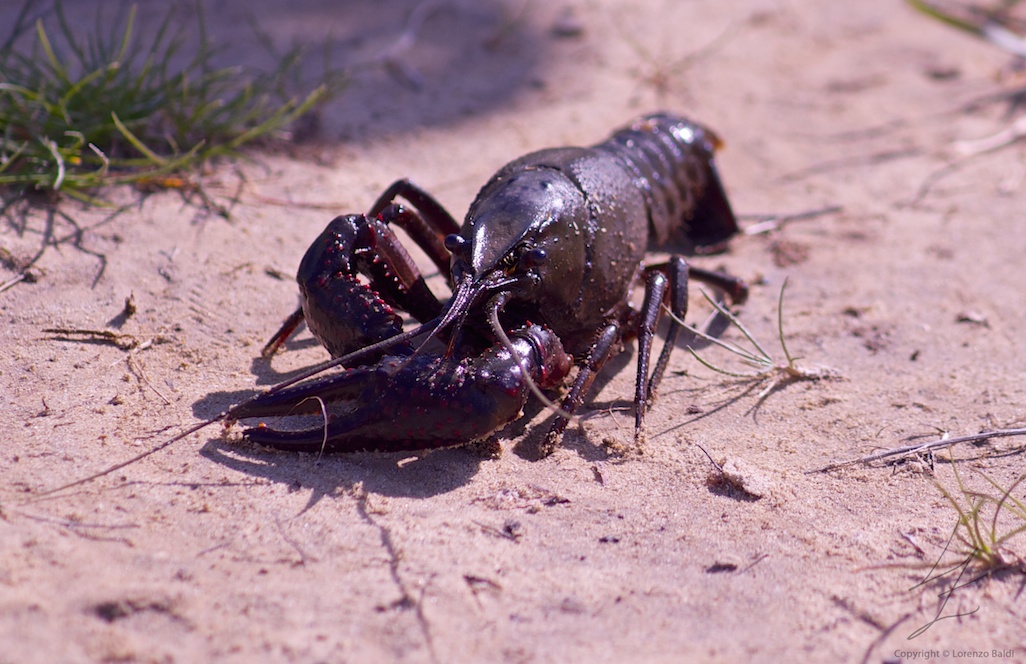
{"type": "Point", "coordinates": [919, 448]}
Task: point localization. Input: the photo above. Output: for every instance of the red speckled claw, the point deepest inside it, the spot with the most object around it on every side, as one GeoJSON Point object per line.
{"type": "Point", "coordinates": [413, 403]}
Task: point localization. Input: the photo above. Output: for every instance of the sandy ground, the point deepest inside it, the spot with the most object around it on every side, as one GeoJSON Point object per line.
{"type": "Point", "coordinates": [216, 551]}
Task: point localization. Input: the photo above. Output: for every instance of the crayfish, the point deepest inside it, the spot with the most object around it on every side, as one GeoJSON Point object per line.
{"type": "Point", "coordinates": [541, 274]}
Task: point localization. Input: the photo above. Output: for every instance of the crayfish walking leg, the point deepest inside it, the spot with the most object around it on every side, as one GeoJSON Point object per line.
{"type": "Point", "coordinates": [666, 286]}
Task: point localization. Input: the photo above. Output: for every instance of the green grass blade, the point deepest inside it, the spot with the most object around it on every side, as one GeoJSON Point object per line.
{"type": "Point", "coordinates": [283, 116]}
{"type": "Point", "coordinates": [732, 348]}
{"type": "Point", "coordinates": [136, 143]}
{"type": "Point", "coordinates": [11, 159]}
{"type": "Point", "coordinates": [51, 56]}
{"type": "Point", "coordinates": [780, 325]}
{"type": "Point", "coordinates": [126, 39]}
{"type": "Point", "coordinates": [1006, 494]}
{"type": "Point", "coordinates": [948, 19]}
{"type": "Point", "coordinates": [101, 173]}
{"type": "Point", "coordinates": [1010, 534]}
{"type": "Point", "coordinates": [79, 85]}
{"type": "Point", "coordinates": [19, 89]}
{"type": "Point", "coordinates": [736, 323]}
{"type": "Point", "coordinates": [719, 370]}
{"type": "Point", "coordinates": [1000, 505]}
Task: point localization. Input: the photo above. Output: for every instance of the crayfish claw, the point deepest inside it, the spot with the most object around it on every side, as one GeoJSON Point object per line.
{"type": "Point", "coordinates": [414, 403]}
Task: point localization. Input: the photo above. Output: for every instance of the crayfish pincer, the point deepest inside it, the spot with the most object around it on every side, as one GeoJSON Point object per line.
{"type": "Point", "coordinates": [542, 268]}
{"type": "Point", "coordinates": [418, 402]}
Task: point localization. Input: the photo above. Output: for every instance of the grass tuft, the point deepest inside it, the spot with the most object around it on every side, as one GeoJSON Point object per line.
{"type": "Point", "coordinates": [989, 523]}
{"type": "Point", "coordinates": [763, 368]}
{"type": "Point", "coordinates": [79, 113]}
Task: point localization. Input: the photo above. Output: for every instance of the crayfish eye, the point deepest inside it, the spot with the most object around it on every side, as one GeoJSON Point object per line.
{"type": "Point", "coordinates": [455, 243]}
{"type": "Point", "coordinates": [534, 258]}
{"type": "Point", "coordinates": [523, 259]}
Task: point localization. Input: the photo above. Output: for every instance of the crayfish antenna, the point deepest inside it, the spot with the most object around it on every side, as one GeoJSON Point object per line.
{"type": "Point", "coordinates": [356, 355]}
{"type": "Point", "coordinates": [138, 457]}
{"type": "Point", "coordinates": [495, 306]}
{"type": "Point", "coordinates": [226, 416]}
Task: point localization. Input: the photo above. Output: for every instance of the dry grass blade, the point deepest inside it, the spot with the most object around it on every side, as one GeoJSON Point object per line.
{"type": "Point", "coordinates": [764, 366]}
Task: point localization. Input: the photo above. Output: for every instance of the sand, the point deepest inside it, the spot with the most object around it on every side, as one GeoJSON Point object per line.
{"type": "Point", "coordinates": [910, 292]}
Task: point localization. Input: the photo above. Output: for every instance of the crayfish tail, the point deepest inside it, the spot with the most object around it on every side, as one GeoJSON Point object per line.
{"type": "Point", "coordinates": [712, 222]}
